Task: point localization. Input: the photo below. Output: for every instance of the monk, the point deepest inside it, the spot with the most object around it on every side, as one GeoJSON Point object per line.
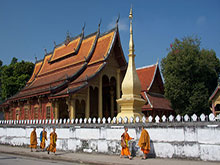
{"type": "Point", "coordinates": [33, 139]}
{"type": "Point", "coordinates": [53, 140]}
{"type": "Point", "coordinates": [124, 144]}
{"type": "Point", "coordinates": [43, 138]}
{"type": "Point", "coordinates": [144, 142]}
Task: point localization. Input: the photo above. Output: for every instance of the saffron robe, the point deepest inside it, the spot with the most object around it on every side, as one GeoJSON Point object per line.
{"type": "Point", "coordinates": [144, 142]}
{"type": "Point", "coordinates": [43, 137]}
{"type": "Point", "coordinates": [124, 144]}
{"type": "Point", "coordinates": [33, 140]}
{"type": "Point", "coordinates": [53, 140]}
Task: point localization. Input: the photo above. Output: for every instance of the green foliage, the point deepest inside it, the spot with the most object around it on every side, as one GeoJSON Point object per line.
{"type": "Point", "coordinates": [190, 75]}
{"type": "Point", "coordinates": [14, 77]}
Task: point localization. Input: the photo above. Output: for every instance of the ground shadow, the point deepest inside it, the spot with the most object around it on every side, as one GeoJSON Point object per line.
{"type": "Point", "coordinates": [135, 148]}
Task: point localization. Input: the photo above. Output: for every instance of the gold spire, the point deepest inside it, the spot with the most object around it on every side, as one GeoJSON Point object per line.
{"type": "Point", "coordinates": [131, 42]}
{"type": "Point", "coordinates": [131, 101]}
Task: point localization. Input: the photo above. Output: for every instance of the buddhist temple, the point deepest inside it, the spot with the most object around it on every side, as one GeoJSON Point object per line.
{"type": "Point", "coordinates": [152, 91]}
{"type": "Point", "coordinates": [82, 78]}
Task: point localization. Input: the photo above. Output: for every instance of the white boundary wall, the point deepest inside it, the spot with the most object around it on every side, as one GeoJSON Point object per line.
{"type": "Point", "coordinates": [173, 138]}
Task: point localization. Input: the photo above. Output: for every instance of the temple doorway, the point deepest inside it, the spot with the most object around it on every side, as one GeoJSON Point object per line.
{"type": "Point", "coordinates": [93, 95]}
{"type": "Point", "coordinates": [63, 109]}
{"type": "Point", "coordinates": [80, 108]}
{"type": "Point", "coordinates": [109, 105]}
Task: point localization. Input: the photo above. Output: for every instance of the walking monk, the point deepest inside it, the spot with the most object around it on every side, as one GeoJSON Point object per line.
{"type": "Point", "coordinates": [124, 144]}
{"type": "Point", "coordinates": [43, 137]}
{"type": "Point", "coordinates": [33, 139]}
{"type": "Point", "coordinates": [144, 142]}
{"type": "Point", "coordinates": [53, 140]}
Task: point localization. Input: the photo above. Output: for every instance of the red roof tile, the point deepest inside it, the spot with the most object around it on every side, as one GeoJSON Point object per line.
{"type": "Point", "coordinates": [155, 101]}
{"type": "Point", "coordinates": [146, 76]}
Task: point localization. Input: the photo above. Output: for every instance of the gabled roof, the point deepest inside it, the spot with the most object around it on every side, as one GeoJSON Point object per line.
{"type": "Point", "coordinates": [215, 92]}
{"type": "Point", "coordinates": [152, 88]}
{"type": "Point", "coordinates": [146, 75]}
{"type": "Point", "coordinates": [150, 75]}
{"type": "Point", "coordinates": [72, 64]}
{"type": "Point", "coordinates": [155, 101]}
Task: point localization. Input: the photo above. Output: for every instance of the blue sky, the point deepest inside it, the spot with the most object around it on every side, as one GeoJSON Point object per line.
{"type": "Point", "coordinates": [29, 26]}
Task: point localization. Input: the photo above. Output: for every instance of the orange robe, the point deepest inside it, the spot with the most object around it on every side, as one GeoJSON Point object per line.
{"type": "Point", "coordinates": [53, 140]}
{"type": "Point", "coordinates": [33, 140]}
{"type": "Point", "coordinates": [44, 137]}
{"type": "Point", "coordinates": [125, 149]}
{"type": "Point", "coordinates": [144, 142]}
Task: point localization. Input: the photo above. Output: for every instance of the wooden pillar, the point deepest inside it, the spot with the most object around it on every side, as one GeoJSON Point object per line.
{"type": "Point", "coordinates": [112, 102]}
{"type": "Point", "coordinates": [87, 104]}
{"type": "Point", "coordinates": [100, 98]}
{"type": "Point", "coordinates": [40, 107]}
{"type": "Point", "coordinates": [118, 88]}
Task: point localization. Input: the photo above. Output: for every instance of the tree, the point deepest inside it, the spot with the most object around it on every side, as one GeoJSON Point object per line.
{"type": "Point", "coordinates": [190, 75]}
{"type": "Point", "coordinates": [14, 77]}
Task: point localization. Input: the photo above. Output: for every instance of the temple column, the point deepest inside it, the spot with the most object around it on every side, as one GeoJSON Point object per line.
{"type": "Point", "coordinates": [100, 97]}
{"type": "Point", "coordinates": [56, 109]}
{"type": "Point", "coordinates": [112, 102]}
{"type": "Point", "coordinates": [71, 108]}
{"type": "Point", "coordinates": [87, 105]}
{"type": "Point", "coordinates": [29, 107]}
{"type": "Point", "coordinates": [118, 88]}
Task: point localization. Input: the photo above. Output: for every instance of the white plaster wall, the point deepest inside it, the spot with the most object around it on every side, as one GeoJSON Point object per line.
{"type": "Point", "coordinates": [209, 135]}
{"type": "Point", "coordinates": [190, 134]}
{"type": "Point", "coordinates": [167, 142]}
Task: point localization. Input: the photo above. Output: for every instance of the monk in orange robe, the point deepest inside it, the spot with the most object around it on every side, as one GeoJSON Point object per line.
{"type": "Point", "coordinates": [124, 144]}
{"type": "Point", "coordinates": [53, 140]}
{"type": "Point", "coordinates": [144, 142]}
{"type": "Point", "coordinates": [33, 139]}
{"type": "Point", "coordinates": [43, 138]}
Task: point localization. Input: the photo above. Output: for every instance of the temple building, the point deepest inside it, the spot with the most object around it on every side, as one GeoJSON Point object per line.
{"type": "Point", "coordinates": [152, 91]}
{"type": "Point", "coordinates": [215, 101]}
{"type": "Point", "coordinates": [82, 78]}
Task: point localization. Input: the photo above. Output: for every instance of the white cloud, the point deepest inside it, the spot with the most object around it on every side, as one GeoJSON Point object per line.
{"type": "Point", "coordinates": [201, 20]}
{"type": "Point", "coordinates": [123, 24]}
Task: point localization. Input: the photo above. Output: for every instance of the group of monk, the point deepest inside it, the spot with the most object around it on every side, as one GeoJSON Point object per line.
{"type": "Point", "coordinates": [144, 143]}
{"type": "Point", "coordinates": [43, 138]}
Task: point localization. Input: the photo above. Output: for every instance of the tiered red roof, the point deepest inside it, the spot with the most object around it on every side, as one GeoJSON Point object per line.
{"type": "Point", "coordinates": [152, 88]}
{"type": "Point", "coordinates": [71, 65]}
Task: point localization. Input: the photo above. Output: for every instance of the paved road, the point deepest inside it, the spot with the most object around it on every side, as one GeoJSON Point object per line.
{"type": "Point", "coordinates": [20, 156]}
{"type": "Point", "coordinates": [8, 159]}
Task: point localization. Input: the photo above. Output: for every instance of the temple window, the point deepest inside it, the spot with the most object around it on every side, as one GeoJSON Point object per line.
{"type": "Point", "coordinates": [35, 112]}
{"type": "Point", "coordinates": [17, 114]}
{"type": "Point", "coordinates": [26, 113]}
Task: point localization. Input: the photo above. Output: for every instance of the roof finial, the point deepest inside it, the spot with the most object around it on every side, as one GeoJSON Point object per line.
{"type": "Point", "coordinates": [157, 61]}
{"type": "Point", "coordinates": [131, 42]}
{"type": "Point", "coordinates": [84, 27]}
{"type": "Point", "coordinates": [35, 58]}
{"type": "Point", "coordinates": [45, 51]}
{"type": "Point", "coordinates": [54, 43]}
{"type": "Point", "coordinates": [67, 37]}
{"type": "Point", "coordinates": [117, 20]}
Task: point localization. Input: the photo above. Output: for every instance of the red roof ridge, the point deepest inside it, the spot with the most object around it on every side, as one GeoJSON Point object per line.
{"type": "Point", "coordinates": [148, 100]}
{"type": "Point", "coordinates": [147, 66]}
{"type": "Point", "coordinates": [214, 93]}
{"type": "Point", "coordinates": [155, 71]}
